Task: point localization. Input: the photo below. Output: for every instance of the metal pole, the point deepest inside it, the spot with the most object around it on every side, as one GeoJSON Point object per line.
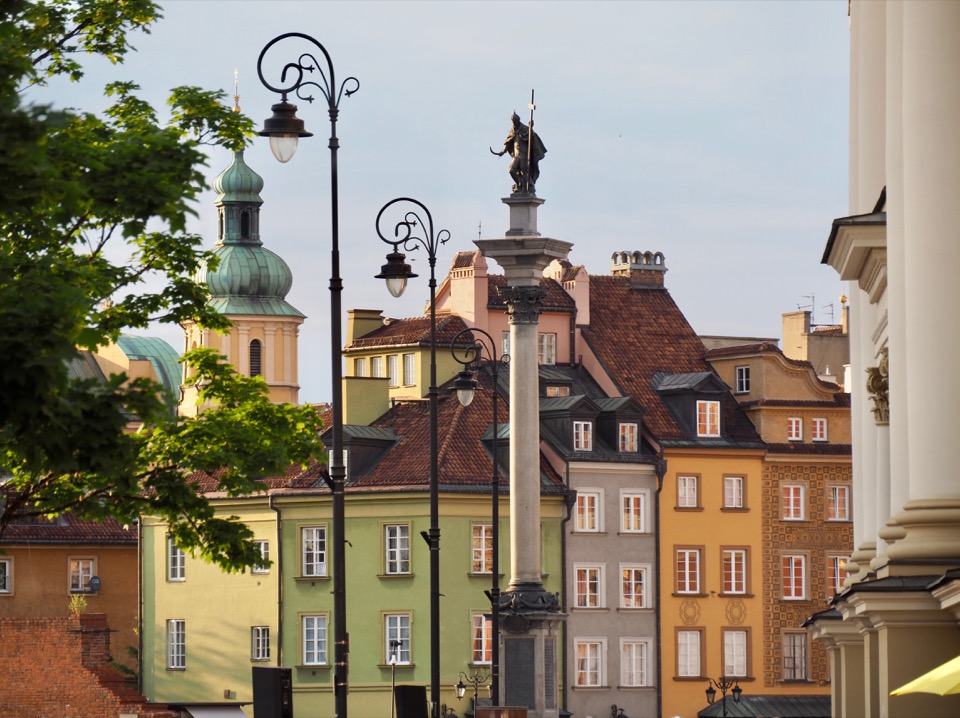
{"type": "Point", "coordinates": [495, 564]}
{"type": "Point", "coordinates": [434, 504]}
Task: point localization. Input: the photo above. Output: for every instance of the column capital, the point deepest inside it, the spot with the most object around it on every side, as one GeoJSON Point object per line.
{"type": "Point", "coordinates": [523, 303]}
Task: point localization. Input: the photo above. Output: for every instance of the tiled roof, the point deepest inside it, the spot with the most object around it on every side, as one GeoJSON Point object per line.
{"type": "Point", "coordinates": [296, 478]}
{"type": "Point", "coordinates": [462, 260]}
{"type": "Point", "coordinates": [556, 298]}
{"type": "Point", "coordinates": [741, 349]}
{"type": "Point", "coordinates": [413, 331]}
{"type": "Point", "coordinates": [819, 448]}
{"type": "Point", "coordinates": [68, 529]}
{"type": "Point", "coordinates": [637, 333]}
{"type": "Point", "coordinates": [840, 400]}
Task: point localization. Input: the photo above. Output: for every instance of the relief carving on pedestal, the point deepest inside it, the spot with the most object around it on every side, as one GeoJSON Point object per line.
{"type": "Point", "coordinates": [878, 386]}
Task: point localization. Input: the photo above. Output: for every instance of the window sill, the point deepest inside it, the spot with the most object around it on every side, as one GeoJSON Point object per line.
{"type": "Point", "coordinates": [742, 594]}
{"type": "Point", "coordinates": [311, 579]}
{"type": "Point", "coordinates": [688, 508]}
{"type": "Point", "coordinates": [631, 609]}
{"type": "Point", "coordinates": [589, 609]}
{"type": "Point", "coordinates": [634, 688]}
{"type": "Point", "coordinates": [591, 688]}
{"type": "Point", "coordinates": [690, 679]}
{"type": "Point", "coordinates": [735, 509]}
{"type": "Point", "coordinates": [389, 576]}
{"type": "Point", "coordinates": [398, 666]}
{"type": "Point", "coordinates": [312, 666]}
{"type": "Point", "coordinates": [583, 532]}
{"type": "Point", "coordinates": [176, 670]}
{"type": "Point", "coordinates": [677, 594]}
{"type": "Point", "coordinates": [634, 533]}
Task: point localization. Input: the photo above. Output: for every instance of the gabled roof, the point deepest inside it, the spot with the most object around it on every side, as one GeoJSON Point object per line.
{"type": "Point", "coordinates": [567, 403]}
{"type": "Point", "coordinates": [701, 381]}
{"type": "Point", "coordinates": [411, 332]}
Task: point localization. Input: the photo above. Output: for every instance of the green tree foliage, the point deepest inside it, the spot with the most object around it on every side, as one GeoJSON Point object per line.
{"type": "Point", "coordinates": [76, 184]}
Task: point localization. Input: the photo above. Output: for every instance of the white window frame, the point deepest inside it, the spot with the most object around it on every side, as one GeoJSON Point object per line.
{"type": "Point", "coordinates": [589, 582]}
{"type": "Point", "coordinates": [481, 640]}
{"type": "Point", "coordinates": [633, 511]}
{"type": "Point", "coordinates": [835, 574]}
{"type": "Point", "coordinates": [6, 576]}
{"type": "Point", "coordinates": [409, 369]}
{"type": "Point", "coordinates": [376, 367]}
{"type": "Point", "coordinates": [176, 644]}
{"type": "Point", "coordinates": [733, 563]}
{"type": "Point", "coordinates": [708, 418]}
{"type": "Point", "coordinates": [838, 499]}
{"type": "Point", "coordinates": [81, 570]}
{"type": "Point", "coordinates": [481, 556]}
{"type": "Point", "coordinates": [689, 650]}
{"type": "Point", "coordinates": [557, 391]}
{"type": "Point", "coordinates": [631, 576]}
{"type": "Point", "coordinates": [629, 436]}
{"type": "Point", "coordinates": [393, 370]}
{"type": "Point", "coordinates": [733, 492]}
{"type": "Point", "coordinates": [818, 430]}
{"type": "Point", "coordinates": [688, 565]}
{"type": "Point", "coordinates": [742, 379]}
{"type": "Point", "coordinates": [397, 627]}
{"type": "Point", "coordinates": [793, 499]}
{"type": "Point", "coordinates": [314, 633]}
{"type": "Point", "coordinates": [590, 669]}
{"type": "Point", "coordinates": [360, 366]}
{"type": "Point", "coordinates": [793, 577]}
{"type": "Point", "coordinates": [794, 429]}
{"type": "Point", "coordinates": [396, 549]}
{"type": "Point", "coordinates": [635, 662]}
{"type": "Point", "coordinates": [176, 561]}
{"type": "Point", "coordinates": [260, 643]}
{"type": "Point", "coordinates": [546, 348]}
{"type": "Point", "coordinates": [313, 551]}
{"type": "Point", "coordinates": [264, 546]}
{"type": "Point", "coordinates": [736, 652]}
{"type": "Point", "coordinates": [688, 492]}
{"type": "Point", "coordinates": [582, 435]}
{"type": "Point", "coordinates": [589, 514]}
{"type": "Point", "coordinates": [795, 668]}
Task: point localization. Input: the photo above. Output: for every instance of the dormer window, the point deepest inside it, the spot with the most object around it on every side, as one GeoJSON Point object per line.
{"type": "Point", "coordinates": [743, 379]}
{"type": "Point", "coordinates": [708, 418]}
{"type": "Point", "coordinates": [628, 437]}
{"type": "Point", "coordinates": [553, 391]}
{"type": "Point", "coordinates": [583, 436]}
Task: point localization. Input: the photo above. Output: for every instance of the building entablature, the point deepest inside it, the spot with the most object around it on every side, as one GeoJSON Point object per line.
{"type": "Point", "coordinates": [857, 250]}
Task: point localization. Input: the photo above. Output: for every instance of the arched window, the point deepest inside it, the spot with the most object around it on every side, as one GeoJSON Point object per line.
{"type": "Point", "coordinates": [244, 225]}
{"type": "Point", "coordinates": [255, 353]}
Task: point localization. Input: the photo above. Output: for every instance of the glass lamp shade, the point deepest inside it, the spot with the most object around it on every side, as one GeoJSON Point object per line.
{"type": "Point", "coordinates": [466, 387]}
{"type": "Point", "coordinates": [461, 689]}
{"type": "Point", "coordinates": [284, 128]}
{"type": "Point", "coordinates": [284, 147]}
{"type": "Point", "coordinates": [396, 272]}
{"type": "Point", "coordinates": [396, 285]}
{"type": "Point", "coordinates": [711, 694]}
{"type": "Point", "coordinates": [737, 690]}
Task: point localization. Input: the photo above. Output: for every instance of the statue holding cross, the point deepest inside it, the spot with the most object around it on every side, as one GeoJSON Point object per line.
{"type": "Point", "coordinates": [526, 149]}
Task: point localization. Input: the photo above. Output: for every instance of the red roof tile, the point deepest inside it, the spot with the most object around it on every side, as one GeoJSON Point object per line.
{"type": "Point", "coordinates": [68, 529]}
{"type": "Point", "coordinates": [413, 331]}
{"type": "Point", "coordinates": [555, 299]}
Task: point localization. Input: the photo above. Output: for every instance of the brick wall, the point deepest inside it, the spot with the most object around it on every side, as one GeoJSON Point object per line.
{"type": "Point", "coordinates": [60, 668]}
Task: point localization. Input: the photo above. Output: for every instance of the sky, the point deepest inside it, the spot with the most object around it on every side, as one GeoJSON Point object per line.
{"type": "Point", "coordinates": [714, 132]}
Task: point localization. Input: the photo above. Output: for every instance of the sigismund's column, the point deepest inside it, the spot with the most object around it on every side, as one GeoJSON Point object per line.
{"type": "Point", "coordinates": [530, 617]}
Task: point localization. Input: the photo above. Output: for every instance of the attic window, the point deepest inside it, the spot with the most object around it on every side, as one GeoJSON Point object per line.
{"type": "Point", "coordinates": [583, 436]}
{"type": "Point", "coordinates": [553, 391]}
{"type": "Point", "coordinates": [628, 436]}
{"type": "Point", "coordinates": [708, 418]}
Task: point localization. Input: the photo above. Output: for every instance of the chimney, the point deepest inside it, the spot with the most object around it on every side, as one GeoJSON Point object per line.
{"type": "Point", "coordinates": [644, 269]}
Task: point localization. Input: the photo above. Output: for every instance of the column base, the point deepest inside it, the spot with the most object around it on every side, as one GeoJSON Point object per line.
{"type": "Point", "coordinates": [931, 532]}
{"type": "Point", "coordinates": [529, 662]}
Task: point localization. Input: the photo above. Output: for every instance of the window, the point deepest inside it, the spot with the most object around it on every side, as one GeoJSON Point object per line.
{"type": "Point", "coordinates": [735, 653]}
{"type": "Point", "coordinates": [835, 574]}
{"type": "Point", "coordinates": [264, 548]}
{"type": "Point", "coordinates": [793, 502]}
{"type": "Point", "coordinates": [482, 561]}
{"type": "Point", "coordinates": [794, 429]}
{"type": "Point", "coordinates": [589, 585]}
{"type": "Point", "coordinates": [6, 575]}
{"type": "Point", "coordinates": [260, 643]}
{"type": "Point", "coordinates": [314, 631]}
{"type": "Point", "coordinates": [819, 431]}
{"type": "Point", "coordinates": [633, 586]}
{"type": "Point", "coordinates": [558, 391]}
{"type": "Point", "coordinates": [589, 658]}
{"type": "Point", "coordinates": [733, 492]}
{"type": "Point", "coordinates": [81, 571]}
{"type": "Point", "coordinates": [256, 351]}
{"type": "Point", "coordinates": [688, 570]}
{"type": "Point", "coordinates": [176, 644]}
{"type": "Point", "coordinates": [360, 366]}
{"type": "Point", "coordinates": [708, 418]}
{"type": "Point", "coordinates": [409, 369]}
{"type": "Point", "coordinates": [743, 380]}
{"type": "Point", "coordinates": [838, 503]}
{"type": "Point", "coordinates": [393, 370]}
{"type": "Point", "coordinates": [628, 436]}
{"type": "Point", "coordinates": [481, 639]}
{"type": "Point", "coordinates": [794, 656]}
{"type": "Point", "coordinates": [688, 496]}
{"type": "Point", "coordinates": [688, 654]}
{"type": "Point", "coordinates": [376, 367]}
{"type": "Point", "coordinates": [794, 577]}
{"type": "Point", "coordinates": [634, 662]}
{"type": "Point", "coordinates": [734, 570]}
{"type": "Point", "coordinates": [546, 348]}
{"type": "Point", "coordinates": [633, 517]}
{"type": "Point", "coordinates": [583, 436]}
{"type": "Point", "coordinates": [313, 542]}
{"type": "Point", "coordinates": [397, 637]}
{"type": "Point", "coordinates": [588, 511]}
{"type": "Point", "coordinates": [176, 561]}
{"type": "Point", "coordinates": [397, 548]}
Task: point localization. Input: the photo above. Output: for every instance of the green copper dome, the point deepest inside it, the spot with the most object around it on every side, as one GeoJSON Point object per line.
{"type": "Point", "coordinates": [239, 183]}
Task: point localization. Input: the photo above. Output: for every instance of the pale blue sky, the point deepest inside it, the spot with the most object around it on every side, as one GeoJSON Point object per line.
{"type": "Point", "coordinates": [714, 132]}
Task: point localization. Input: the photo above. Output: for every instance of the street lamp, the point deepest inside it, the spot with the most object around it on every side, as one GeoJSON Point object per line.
{"type": "Point", "coordinates": [284, 129]}
{"type": "Point", "coordinates": [466, 386]}
{"type": "Point", "coordinates": [475, 680]}
{"type": "Point", "coordinates": [724, 685]}
{"type": "Point", "coordinates": [410, 233]}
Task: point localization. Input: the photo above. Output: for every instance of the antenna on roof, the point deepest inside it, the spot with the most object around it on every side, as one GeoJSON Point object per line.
{"type": "Point", "coordinates": [811, 306]}
{"type": "Point", "coordinates": [830, 307]}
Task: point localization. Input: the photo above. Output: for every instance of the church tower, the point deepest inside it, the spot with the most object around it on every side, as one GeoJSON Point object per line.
{"type": "Point", "coordinates": [249, 287]}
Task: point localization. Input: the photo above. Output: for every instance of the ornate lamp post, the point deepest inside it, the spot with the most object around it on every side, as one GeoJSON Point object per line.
{"type": "Point", "coordinates": [410, 233]}
{"type": "Point", "coordinates": [724, 685]}
{"type": "Point", "coordinates": [476, 680]}
{"type": "Point", "coordinates": [284, 129]}
{"type": "Point", "coordinates": [466, 386]}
